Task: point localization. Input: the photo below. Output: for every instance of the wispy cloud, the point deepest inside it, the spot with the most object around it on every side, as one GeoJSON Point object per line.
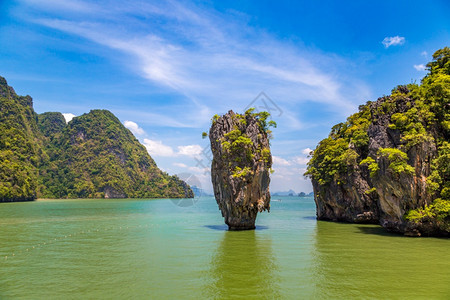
{"type": "Point", "coordinates": [420, 67]}
{"type": "Point", "coordinates": [204, 56]}
{"type": "Point", "coordinates": [209, 62]}
{"type": "Point", "coordinates": [181, 165]}
{"type": "Point", "coordinates": [393, 41]}
{"type": "Point", "coordinates": [165, 119]}
{"type": "Point", "coordinates": [280, 161]}
{"type": "Point", "coordinates": [135, 129]}
{"type": "Point", "coordinates": [157, 148]}
{"type": "Point", "coordinates": [300, 160]}
{"type": "Point", "coordinates": [306, 151]}
{"type": "Point", "coordinates": [70, 6]}
{"type": "Point", "coordinates": [190, 150]}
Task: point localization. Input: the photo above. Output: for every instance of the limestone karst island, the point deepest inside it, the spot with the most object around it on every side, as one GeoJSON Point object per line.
{"type": "Point", "coordinates": [224, 150]}
{"type": "Point", "coordinates": [241, 166]}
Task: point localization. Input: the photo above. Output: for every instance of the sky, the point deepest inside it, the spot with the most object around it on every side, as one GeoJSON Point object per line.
{"type": "Point", "coordinates": [164, 68]}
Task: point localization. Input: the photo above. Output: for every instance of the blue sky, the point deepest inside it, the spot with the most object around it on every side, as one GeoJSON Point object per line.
{"type": "Point", "coordinates": [164, 68]}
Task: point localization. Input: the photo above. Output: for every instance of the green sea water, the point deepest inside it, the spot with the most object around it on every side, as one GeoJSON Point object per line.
{"type": "Point", "coordinates": [154, 249]}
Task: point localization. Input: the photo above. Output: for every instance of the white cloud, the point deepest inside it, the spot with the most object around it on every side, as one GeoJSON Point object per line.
{"type": "Point", "coordinates": [200, 54]}
{"type": "Point", "coordinates": [181, 165]}
{"type": "Point", "coordinates": [300, 160]}
{"type": "Point", "coordinates": [420, 67]}
{"type": "Point", "coordinates": [135, 129]}
{"type": "Point", "coordinates": [199, 170]}
{"type": "Point", "coordinates": [68, 117]}
{"type": "Point", "coordinates": [190, 150]}
{"type": "Point", "coordinates": [306, 151]}
{"type": "Point", "coordinates": [280, 161]}
{"type": "Point", "coordinates": [157, 148]}
{"type": "Point", "coordinates": [393, 41]}
{"type": "Point", "coordinates": [67, 5]}
{"type": "Point", "coordinates": [424, 53]}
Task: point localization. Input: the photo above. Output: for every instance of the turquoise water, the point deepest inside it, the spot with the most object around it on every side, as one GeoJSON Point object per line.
{"type": "Point", "coordinates": [141, 249]}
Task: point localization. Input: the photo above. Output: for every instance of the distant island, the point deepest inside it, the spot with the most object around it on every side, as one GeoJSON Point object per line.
{"type": "Point", "coordinates": [389, 163]}
{"type": "Point", "coordinates": [302, 194]}
{"type": "Point", "coordinates": [92, 156]}
{"type": "Point", "coordinates": [292, 193]}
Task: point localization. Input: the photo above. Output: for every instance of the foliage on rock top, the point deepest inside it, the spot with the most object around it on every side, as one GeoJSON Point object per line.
{"type": "Point", "coordinates": [237, 147]}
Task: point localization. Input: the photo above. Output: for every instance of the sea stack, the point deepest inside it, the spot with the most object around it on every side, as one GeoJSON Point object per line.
{"type": "Point", "coordinates": [241, 166]}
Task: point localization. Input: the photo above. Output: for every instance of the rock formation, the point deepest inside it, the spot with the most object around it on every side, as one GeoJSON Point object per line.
{"type": "Point", "coordinates": [20, 146]}
{"type": "Point", "coordinates": [390, 162]}
{"type": "Point", "coordinates": [93, 156]}
{"type": "Point", "coordinates": [240, 168]}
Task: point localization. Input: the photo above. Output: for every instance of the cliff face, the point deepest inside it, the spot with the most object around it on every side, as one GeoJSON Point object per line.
{"type": "Point", "coordinates": [20, 146]}
{"type": "Point", "coordinates": [347, 201]}
{"type": "Point", "coordinates": [240, 167]}
{"type": "Point", "coordinates": [399, 192]}
{"type": "Point", "coordinates": [390, 162]}
{"type": "Point", "coordinates": [96, 156]}
{"type": "Point", "coordinates": [92, 156]}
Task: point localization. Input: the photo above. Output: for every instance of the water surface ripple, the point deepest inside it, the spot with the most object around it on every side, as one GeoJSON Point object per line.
{"type": "Point", "coordinates": [140, 249]}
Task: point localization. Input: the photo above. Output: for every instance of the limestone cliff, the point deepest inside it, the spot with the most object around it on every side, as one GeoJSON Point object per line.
{"type": "Point", "coordinates": [94, 155]}
{"type": "Point", "coordinates": [390, 162]}
{"type": "Point", "coordinates": [21, 150]}
{"type": "Point", "coordinates": [240, 167]}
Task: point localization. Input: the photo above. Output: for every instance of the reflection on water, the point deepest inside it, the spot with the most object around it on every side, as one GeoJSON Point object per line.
{"type": "Point", "coordinates": [243, 266]}
{"type": "Point", "coordinates": [224, 227]}
{"type": "Point", "coordinates": [152, 249]}
{"type": "Point", "coordinates": [363, 261]}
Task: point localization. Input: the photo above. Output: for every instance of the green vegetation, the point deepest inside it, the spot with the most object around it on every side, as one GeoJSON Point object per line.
{"type": "Point", "coordinates": [433, 98]}
{"type": "Point", "coordinates": [372, 165]}
{"type": "Point", "coordinates": [372, 190]}
{"type": "Point", "coordinates": [92, 156]}
{"type": "Point", "coordinates": [262, 120]}
{"type": "Point", "coordinates": [241, 148]}
{"type": "Point", "coordinates": [242, 173]}
{"type": "Point", "coordinates": [265, 153]}
{"type": "Point", "coordinates": [95, 154]}
{"type": "Point", "coordinates": [439, 184]}
{"type": "Point", "coordinates": [20, 146]}
{"type": "Point", "coordinates": [338, 153]}
{"type": "Point", "coordinates": [215, 118]}
{"type": "Point", "coordinates": [398, 160]}
{"type": "Point", "coordinates": [438, 212]}
{"type": "Point", "coordinates": [420, 114]}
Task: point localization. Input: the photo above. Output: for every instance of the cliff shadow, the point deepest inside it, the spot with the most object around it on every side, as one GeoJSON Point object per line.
{"type": "Point", "coordinates": [377, 230]}
{"type": "Point", "coordinates": [224, 227]}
